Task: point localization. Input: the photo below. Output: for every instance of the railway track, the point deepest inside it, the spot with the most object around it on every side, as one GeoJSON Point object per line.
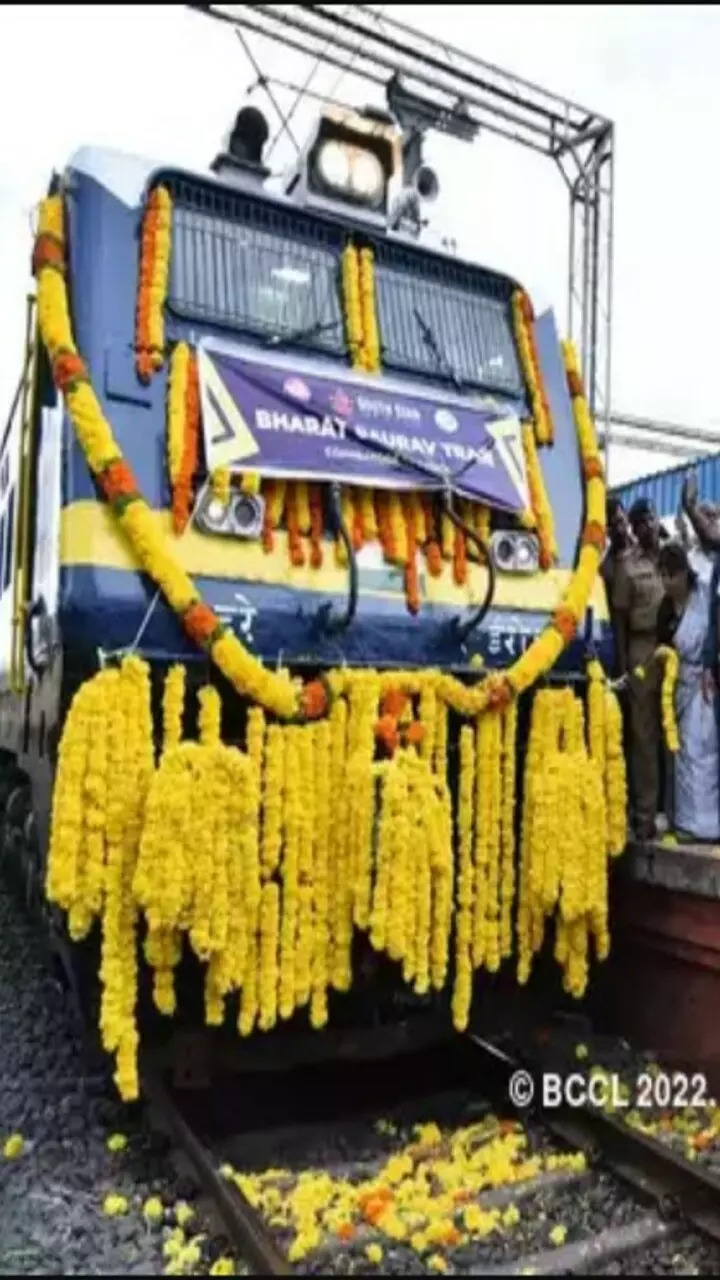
{"type": "Point", "coordinates": [501, 1182]}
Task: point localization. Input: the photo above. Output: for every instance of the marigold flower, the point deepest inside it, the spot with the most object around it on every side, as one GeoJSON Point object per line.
{"type": "Point", "coordinates": [13, 1146]}
{"type": "Point", "coordinates": [117, 481]}
{"type": "Point", "coordinates": [314, 700]}
{"type": "Point", "coordinates": [153, 1210]}
{"type": "Point", "coordinates": [48, 252]}
{"type": "Point", "coordinates": [68, 368]}
{"type": "Point", "coordinates": [593, 469]}
{"type": "Point", "coordinates": [114, 1206]}
{"type": "Point", "coordinates": [183, 1213]}
{"type": "Point", "coordinates": [222, 1267]}
{"type": "Point", "coordinates": [574, 382]}
{"type": "Point", "coordinates": [201, 623]}
{"type": "Point", "coordinates": [558, 1235]}
{"type": "Point", "coordinates": [116, 1142]}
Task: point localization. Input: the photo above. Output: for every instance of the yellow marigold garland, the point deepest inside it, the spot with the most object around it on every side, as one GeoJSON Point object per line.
{"type": "Point", "coordinates": [596, 714]}
{"type": "Point", "coordinates": [353, 305]}
{"type": "Point", "coordinates": [371, 337]}
{"type": "Point", "coordinates": [507, 828]}
{"type": "Point", "coordinates": [464, 916]}
{"type": "Point", "coordinates": [95, 835]}
{"type": "Point", "coordinates": [138, 522]}
{"type": "Point", "coordinates": [671, 664]}
{"type": "Point", "coordinates": [292, 822]}
{"type": "Point", "coordinates": [177, 388]}
{"type": "Point", "coordinates": [615, 776]}
{"type": "Point", "coordinates": [220, 484]}
{"type": "Point", "coordinates": [541, 509]}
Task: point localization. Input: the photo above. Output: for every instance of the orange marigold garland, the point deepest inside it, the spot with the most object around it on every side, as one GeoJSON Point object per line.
{"type": "Point", "coordinates": [292, 521]}
{"type": "Point", "coordinates": [524, 324]}
{"type": "Point", "coordinates": [316, 526]}
{"type": "Point", "coordinates": [153, 284]}
{"type": "Point", "coordinates": [274, 495]}
{"type": "Point", "coordinates": [459, 558]}
{"type": "Point", "coordinates": [412, 580]}
{"type": "Point", "coordinates": [183, 432]}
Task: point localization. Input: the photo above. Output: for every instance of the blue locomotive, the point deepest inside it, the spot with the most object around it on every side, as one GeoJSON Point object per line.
{"type": "Point", "coordinates": [362, 490]}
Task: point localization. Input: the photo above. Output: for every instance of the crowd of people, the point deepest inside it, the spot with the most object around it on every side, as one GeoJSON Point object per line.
{"type": "Point", "coordinates": [663, 590]}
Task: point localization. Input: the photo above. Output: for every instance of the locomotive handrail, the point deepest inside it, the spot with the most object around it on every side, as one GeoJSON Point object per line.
{"type": "Point", "coordinates": [462, 629]}
{"type": "Point", "coordinates": [22, 568]}
{"type": "Point", "coordinates": [341, 622]}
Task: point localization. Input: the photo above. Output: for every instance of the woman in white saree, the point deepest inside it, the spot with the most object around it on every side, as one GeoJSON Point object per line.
{"type": "Point", "coordinates": [683, 622]}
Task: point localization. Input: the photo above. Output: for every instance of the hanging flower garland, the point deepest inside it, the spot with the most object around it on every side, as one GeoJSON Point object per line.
{"type": "Point", "coordinates": [221, 485]}
{"type": "Point", "coordinates": [524, 324]}
{"type": "Point", "coordinates": [266, 860]}
{"type": "Point", "coordinates": [671, 666]}
{"type": "Point", "coordinates": [615, 776]}
{"type": "Point", "coordinates": [154, 273]}
{"type": "Point", "coordinates": [371, 336]}
{"type": "Point", "coordinates": [596, 713]}
{"type": "Point", "coordinates": [542, 516]}
{"type": "Point", "coordinates": [183, 432]}
{"type": "Point", "coordinates": [245, 672]}
{"type": "Point", "coordinates": [104, 769]}
{"type": "Point", "coordinates": [353, 307]}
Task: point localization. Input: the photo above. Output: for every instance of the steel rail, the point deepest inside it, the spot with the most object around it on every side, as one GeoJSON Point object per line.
{"type": "Point", "coordinates": [651, 1167]}
{"type": "Point", "coordinates": [246, 1228]}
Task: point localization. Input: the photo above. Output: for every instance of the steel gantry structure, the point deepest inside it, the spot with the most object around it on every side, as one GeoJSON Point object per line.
{"type": "Point", "coordinates": [379, 50]}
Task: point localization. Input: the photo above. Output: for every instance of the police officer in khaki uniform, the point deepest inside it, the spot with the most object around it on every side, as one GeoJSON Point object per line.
{"type": "Point", "coordinates": [637, 593]}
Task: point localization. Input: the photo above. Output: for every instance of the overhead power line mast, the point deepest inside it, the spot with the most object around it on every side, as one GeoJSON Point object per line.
{"type": "Point", "coordinates": [450, 88]}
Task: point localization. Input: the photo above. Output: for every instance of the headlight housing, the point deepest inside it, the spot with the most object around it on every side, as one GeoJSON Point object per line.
{"type": "Point", "coordinates": [241, 517]}
{"type": "Point", "coordinates": [514, 552]}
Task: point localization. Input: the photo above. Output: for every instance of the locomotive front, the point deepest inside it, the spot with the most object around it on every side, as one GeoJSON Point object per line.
{"type": "Point", "coordinates": [329, 504]}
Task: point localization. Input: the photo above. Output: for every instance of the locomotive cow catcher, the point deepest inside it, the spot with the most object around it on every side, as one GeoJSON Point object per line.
{"type": "Point", "coordinates": [301, 524]}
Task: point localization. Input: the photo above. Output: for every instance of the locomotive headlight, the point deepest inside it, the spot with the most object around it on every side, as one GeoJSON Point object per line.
{"type": "Point", "coordinates": [241, 517]}
{"type": "Point", "coordinates": [247, 516]}
{"type": "Point", "coordinates": [515, 552]}
{"type": "Point", "coordinates": [527, 554]}
{"type": "Point", "coordinates": [367, 177]}
{"type": "Point", "coordinates": [351, 171]}
{"type": "Point", "coordinates": [333, 163]}
{"type": "Point", "coordinates": [216, 512]}
{"type": "Point", "coordinates": [212, 515]}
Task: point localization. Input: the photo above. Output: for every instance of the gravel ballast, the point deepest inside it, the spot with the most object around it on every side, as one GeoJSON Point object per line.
{"type": "Point", "coordinates": [62, 1102]}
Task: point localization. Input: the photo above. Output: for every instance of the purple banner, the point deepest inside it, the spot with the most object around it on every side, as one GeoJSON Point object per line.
{"type": "Point", "coordinates": [263, 418]}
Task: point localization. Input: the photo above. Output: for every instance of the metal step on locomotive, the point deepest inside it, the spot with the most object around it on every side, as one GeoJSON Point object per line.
{"type": "Point", "coordinates": [301, 522]}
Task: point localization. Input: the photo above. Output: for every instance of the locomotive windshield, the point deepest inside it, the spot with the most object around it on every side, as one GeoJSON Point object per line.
{"type": "Point", "coordinates": [257, 279]}
{"type": "Point", "coordinates": [275, 274]}
{"type": "Point", "coordinates": [446, 330]}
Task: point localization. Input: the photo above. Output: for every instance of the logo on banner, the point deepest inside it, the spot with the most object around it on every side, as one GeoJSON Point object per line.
{"type": "Point", "coordinates": [341, 403]}
{"type": "Point", "coordinates": [227, 435]}
{"type": "Point", "coordinates": [446, 420]}
{"type": "Point", "coordinates": [297, 389]}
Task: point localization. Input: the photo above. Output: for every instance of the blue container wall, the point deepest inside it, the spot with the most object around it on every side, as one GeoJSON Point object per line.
{"type": "Point", "coordinates": [665, 487]}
